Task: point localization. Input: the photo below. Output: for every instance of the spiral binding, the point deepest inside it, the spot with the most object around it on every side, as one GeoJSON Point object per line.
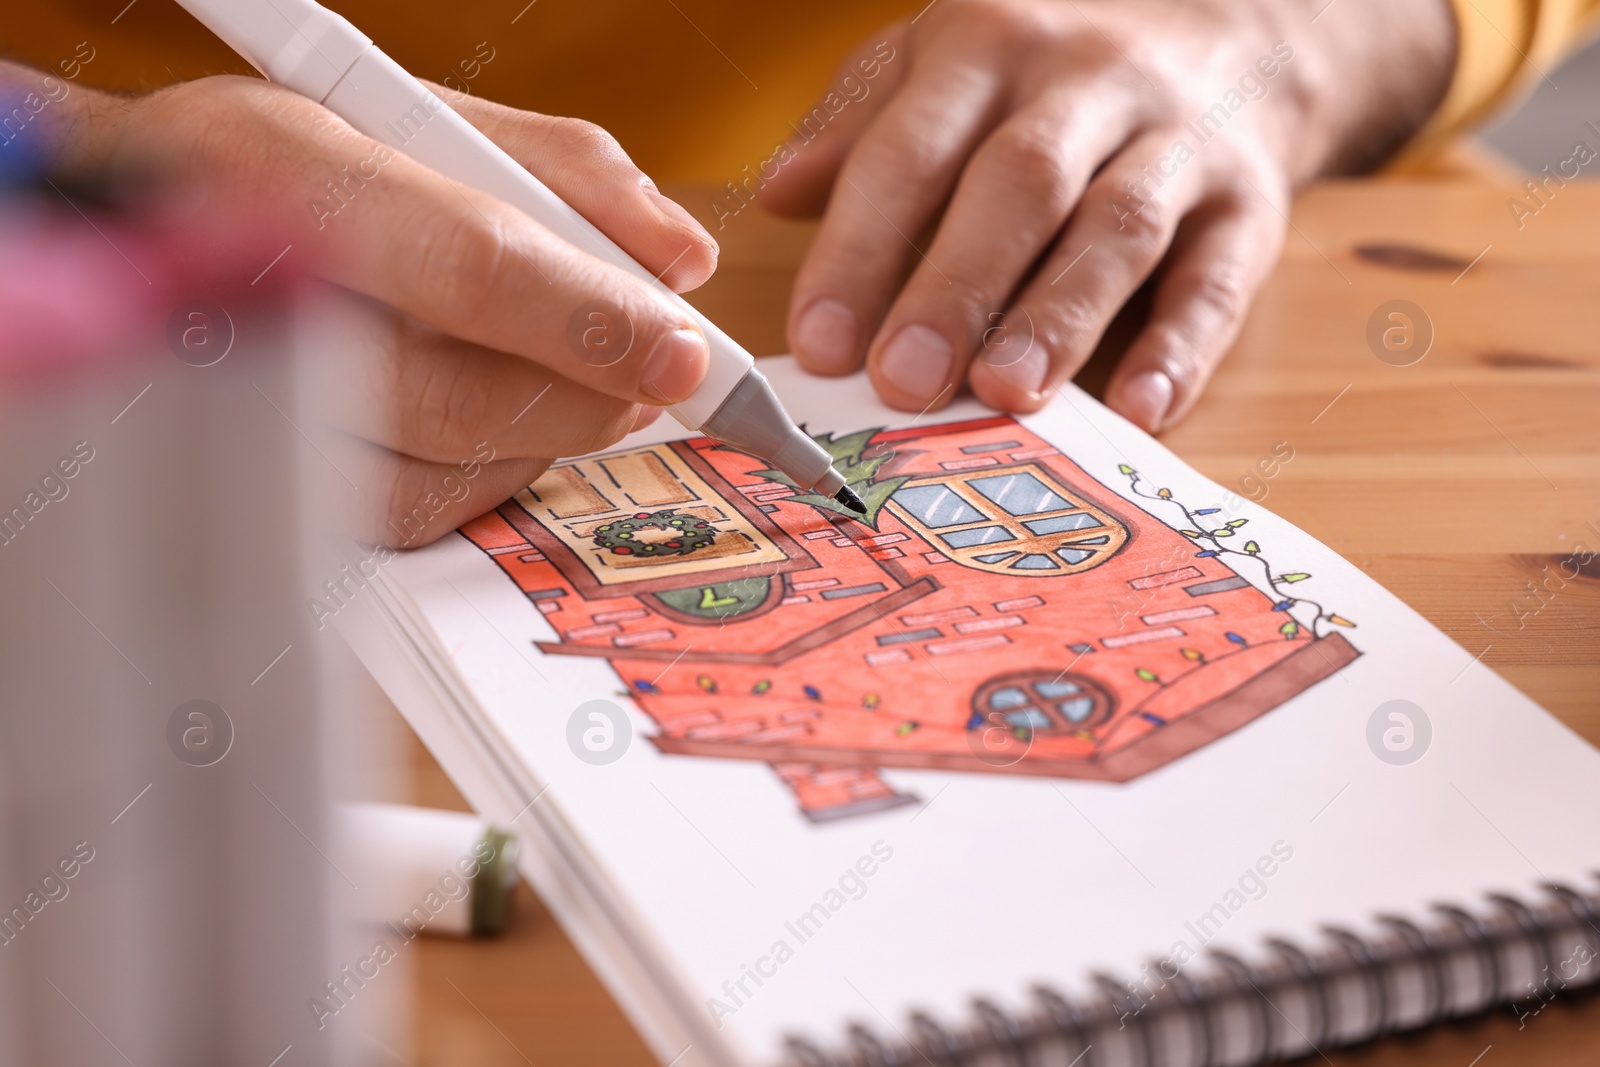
{"type": "Point", "coordinates": [1189, 996]}
{"type": "Point", "coordinates": [1482, 944]}
{"type": "Point", "coordinates": [1422, 949]}
{"type": "Point", "coordinates": [1181, 1024]}
{"type": "Point", "coordinates": [1259, 1041]}
{"type": "Point", "coordinates": [1371, 972]}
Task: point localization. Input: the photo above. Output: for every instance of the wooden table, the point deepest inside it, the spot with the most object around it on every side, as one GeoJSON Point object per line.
{"type": "Point", "coordinates": [1453, 481]}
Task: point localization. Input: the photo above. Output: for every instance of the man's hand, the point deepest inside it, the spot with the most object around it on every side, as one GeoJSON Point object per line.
{"type": "Point", "coordinates": [468, 351]}
{"type": "Point", "coordinates": [1061, 153]}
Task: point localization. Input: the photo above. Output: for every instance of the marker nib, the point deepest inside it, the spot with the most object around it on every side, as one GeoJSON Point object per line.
{"type": "Point", "coordinates": [849, 499]}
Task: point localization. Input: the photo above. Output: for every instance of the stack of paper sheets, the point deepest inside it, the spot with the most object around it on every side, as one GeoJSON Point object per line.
{"type": "Point", "coordinates": [1061, 708]}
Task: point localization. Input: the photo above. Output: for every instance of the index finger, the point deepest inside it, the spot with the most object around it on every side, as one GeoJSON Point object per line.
{"type": "Point", "coordinates": [381, 224]}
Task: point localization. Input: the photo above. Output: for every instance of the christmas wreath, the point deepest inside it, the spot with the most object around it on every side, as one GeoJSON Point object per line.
{"type": "Point", "coordinates": [687, 534]}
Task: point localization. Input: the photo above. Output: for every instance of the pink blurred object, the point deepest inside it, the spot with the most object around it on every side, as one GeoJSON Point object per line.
{"type": "Point", "coordinates": [80, 289]}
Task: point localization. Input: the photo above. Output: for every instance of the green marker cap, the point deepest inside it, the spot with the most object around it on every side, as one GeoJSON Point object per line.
{"type": "Point", "coordinates": [494, 883]}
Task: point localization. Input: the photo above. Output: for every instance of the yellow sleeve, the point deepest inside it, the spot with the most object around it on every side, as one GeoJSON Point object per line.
{"type": "Point", "coordinates": [1504, 47]}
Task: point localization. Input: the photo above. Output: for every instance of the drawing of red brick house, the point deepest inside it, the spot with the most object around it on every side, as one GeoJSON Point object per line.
{"type": "Point", "coordinates": [1005, 613]}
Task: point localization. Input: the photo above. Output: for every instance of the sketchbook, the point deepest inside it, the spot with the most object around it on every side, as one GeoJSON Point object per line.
{"type": "Point", "coordinates": [1061, 753]}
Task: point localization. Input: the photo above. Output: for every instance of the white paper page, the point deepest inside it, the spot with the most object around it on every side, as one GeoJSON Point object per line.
{"type": "Point", "coordinates": [989, 880]}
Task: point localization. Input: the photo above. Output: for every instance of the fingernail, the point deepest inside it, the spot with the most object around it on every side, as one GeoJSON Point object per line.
{"type": "Point", "coordinates": [676, 214]}
{"type": "Point", "coordinates": [826, 336]}
{"type": "Point", "coordinates": [1025, 371]}
{"type": "Point", "coordinates": [1145, 398]}
{"type": "Point", "coordinates": [674, 368]}
{"type": "Point", "coordinates": [917, 362]}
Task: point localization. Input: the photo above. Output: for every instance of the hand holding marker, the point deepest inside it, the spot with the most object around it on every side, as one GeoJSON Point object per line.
{"type": "Point", "coordinates": [301, 45]}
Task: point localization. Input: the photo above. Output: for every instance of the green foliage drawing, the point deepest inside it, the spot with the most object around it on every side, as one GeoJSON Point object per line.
{"type": "Point", "coordinates": [670, 534]}
{"type": "Point", "coordinates": [858, 473]}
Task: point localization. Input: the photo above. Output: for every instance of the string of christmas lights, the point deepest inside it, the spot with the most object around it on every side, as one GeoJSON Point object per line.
{"type": "Point", "coordinates": [1199, 532]}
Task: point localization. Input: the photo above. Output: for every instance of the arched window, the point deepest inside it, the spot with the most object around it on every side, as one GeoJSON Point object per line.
{"type": "Point", "coordinates": [1040, 700]}
{"type": "Point", "coordinates": [1015, 520]}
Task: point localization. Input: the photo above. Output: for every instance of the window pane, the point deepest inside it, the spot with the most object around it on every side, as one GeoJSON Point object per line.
{"type": "Point", "coordinates": [1062, 523]}
{"type": "Point", "coordinates": [1073, 555]}
{"type": "Point", "coordinates": [1078, 709]}
{"type": "Point", "coordinates": [1009, 697]}
{"type": "Point", "coordinates": [1052, 690]}
{"type": "Point", "coordinates": [983, 535]}
{"type": "Point", "coordinates": [994, 557]}
{"type": "Point", "coordinates": [1032, 718]}
{"type": "Point", "coordinates": [936, 505]}
{"type": "Point", "coordinates": [1020, 493]}
{"type": "Point", "coordinates": [1033, 562]}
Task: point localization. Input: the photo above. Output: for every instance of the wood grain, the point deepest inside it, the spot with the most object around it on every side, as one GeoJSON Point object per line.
{"type": "Point", "coordinates": [1455, 482]}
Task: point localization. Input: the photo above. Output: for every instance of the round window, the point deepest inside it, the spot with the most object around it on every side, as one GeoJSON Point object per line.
{"type": "Point", "coordinates": [1041, 700]}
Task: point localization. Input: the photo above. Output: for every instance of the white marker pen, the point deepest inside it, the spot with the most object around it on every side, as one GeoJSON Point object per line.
{"type": "Point", "coordinates": [305, 47]}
